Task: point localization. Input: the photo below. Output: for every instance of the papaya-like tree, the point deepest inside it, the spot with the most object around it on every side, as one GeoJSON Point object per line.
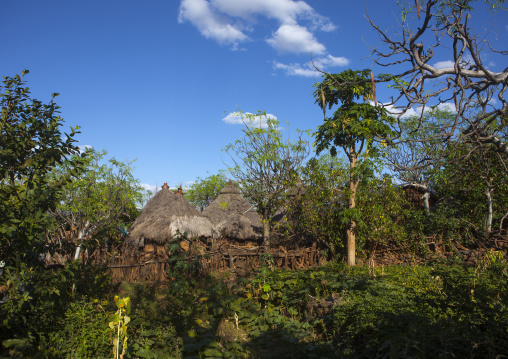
{"type": "Point", "coordinates": [356, 127]}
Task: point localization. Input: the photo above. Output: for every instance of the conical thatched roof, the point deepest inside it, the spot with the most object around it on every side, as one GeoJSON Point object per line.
{"type": "Point", "coordinates": [233, 216]}
{"type": "Point", "coordinates": [164, 215]}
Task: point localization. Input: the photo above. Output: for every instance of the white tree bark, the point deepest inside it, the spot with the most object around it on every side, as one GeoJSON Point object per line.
{"type": "Point", "coordinates": [488, 193]}
{"type": "Point", "coordinates": [80, 237]}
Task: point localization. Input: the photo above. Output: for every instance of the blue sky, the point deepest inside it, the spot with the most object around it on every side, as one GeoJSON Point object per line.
{"type": "Point", "coordinates": [159, 81]}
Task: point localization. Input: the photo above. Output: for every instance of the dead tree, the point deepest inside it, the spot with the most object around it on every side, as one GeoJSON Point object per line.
{"type": "Point", "coordinates": [477, 94]}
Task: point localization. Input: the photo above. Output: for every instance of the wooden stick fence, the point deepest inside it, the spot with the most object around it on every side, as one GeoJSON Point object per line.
{"type": "Point", "coordinates": [134, 265]}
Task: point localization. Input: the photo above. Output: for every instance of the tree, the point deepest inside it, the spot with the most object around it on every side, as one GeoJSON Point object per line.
{"type": "Point", "coordinates": [418, 158]}
{"type": "Point", "coordinates": [31, 145]}
{"type": "Point", "coordinates": [204, 191]}
{"type": "Point", "coordinates": [265, 165]}
{"type": "Point", "coordinates": [480, 184]}
{"type": "Point", "coordinates": [354, 127]}
{"type": "Point", "coordinates": [99, 203]}
{"type": "Point", "coordinates": [477, 92]}
{"type": "Point", "coordinates": [317, 214]}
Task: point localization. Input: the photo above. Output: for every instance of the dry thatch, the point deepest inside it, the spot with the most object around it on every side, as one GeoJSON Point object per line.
{"type": "Point", "coordinates": [164, 215]}
{"type": "Point", "coordinates": [233, 216]}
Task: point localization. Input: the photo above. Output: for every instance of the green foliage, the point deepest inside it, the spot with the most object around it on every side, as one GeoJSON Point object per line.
{"type": "Point", "coordinates": [119, 325]}
{"type": "Point", "coordinates": [382, 216]}
{"type": "Point", "coordinates": [40, 301]}
{"type": "Point", "coordinates": [468, 182]}
{"type": "Point", "coordinates": [420, 312]}
{"type": "Point", "coordinates": [424, 312]}
{"type": "Point", "coordinates": [184, 265]}
{"type": "Point", "coordinates": [352, 123]}
{"type": "Point", "coordinates": [265, 164]}
{"type": "Point", "coordinates": [204, 191]}
{"type": "Point", "coordinates": [82, 332]}
{"type": "Point", "coordinates": [403, 311]}
{"type": "Point", "coordinates": [356, 128]}
{"type": "Point", "coordinates": [98, 204]}
{"type": "Point", "coordinates": [31, 145]}
{"type": "Point", "coordinates": [316, 216]}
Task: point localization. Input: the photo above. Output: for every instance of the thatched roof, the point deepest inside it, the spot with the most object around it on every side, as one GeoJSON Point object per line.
{"type": "Point", "coordinates": [164, 215]}
{"type": "Point", "coordinates": [233, 216]}
{"type": "Point", "coordinates": [237, 226]}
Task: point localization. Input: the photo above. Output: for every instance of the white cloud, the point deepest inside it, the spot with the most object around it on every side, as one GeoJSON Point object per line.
{"type": "Point", "coordinates": [444, 64]}
{"type": "Point", "coordinates": [417, 111]}
{"type": "Point", "coordinates": [210, 24]}
{"type": "Point", "coordinates": [286, 11]}
{"type": "Point", "coordinates": [447, 106]}
{"type": "Point", "coordinates": [332, 61]}
{"type": "Point", "coordinates": [236, 118]}
{"type": "Point", "coordinates": [296, 70]}
{"type": "Point", "coordinates": [148, 187]}
{"type": "Point", "coordinates": [295, 39]}
{"type": "Point", "coordinates": [226, 21]}
{"type": "Point", "coordinates": [83, 148]}
{"type": "Point", "coordinates": [466, 60]}
{"type": "Point", "coordinates": [308, 70]}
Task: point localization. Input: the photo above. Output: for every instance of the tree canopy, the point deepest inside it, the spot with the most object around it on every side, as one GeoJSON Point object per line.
{"type": "Point", "coordinates": [31, 145]}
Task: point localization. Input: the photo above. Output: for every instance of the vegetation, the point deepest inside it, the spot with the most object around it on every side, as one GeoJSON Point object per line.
{"type": "Point", "coordinates": [55, 199]}
{"type": "Point", "coordinates": [355, 128]}
{"type": "Point", "coordinates": [266, 165]}
{"type": "Point", "coordinates": [334, 311]}
{"type": "Point", "coordinates": [204, 191]}
{"type": "Point", "coordinates": [31, 145]}
{"type": "Point", "coordinates": [99, 204]}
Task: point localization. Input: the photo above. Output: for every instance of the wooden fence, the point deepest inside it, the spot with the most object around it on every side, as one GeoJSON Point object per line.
{"type": "Point", "coordinates": [151, 263]}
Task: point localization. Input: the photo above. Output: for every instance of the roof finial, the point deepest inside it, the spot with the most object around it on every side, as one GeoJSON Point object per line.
{"type": "Point", "coordinates": [165, 185]}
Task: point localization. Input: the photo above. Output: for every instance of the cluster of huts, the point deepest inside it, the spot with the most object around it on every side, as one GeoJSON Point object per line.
{"type": "Point", "coordinates": [230, 230]}
{"type": "Point", "coordinates": [168, 213]}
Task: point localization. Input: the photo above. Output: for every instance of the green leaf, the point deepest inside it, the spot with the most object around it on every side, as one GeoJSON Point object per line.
{"type": "Point", "coordinates": [212, 353]}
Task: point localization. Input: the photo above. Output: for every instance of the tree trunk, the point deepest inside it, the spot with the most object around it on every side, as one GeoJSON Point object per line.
{"type": "Point", "coordinates": [425, 198]}
{"type": "Point", "coordinates": [80, 237]}
{"type": "Point", "coordinates": [351, 236]}
{"type": "Point", "coordinates": [266, 227]}
{"type": "Point", "coordinates": [488, 228]}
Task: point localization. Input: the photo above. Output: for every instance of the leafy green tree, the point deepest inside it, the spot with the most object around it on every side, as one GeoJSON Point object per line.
{"type": "Point", "coordinates": [99, 204]}
{"type": "Point", "coordinates": [383, 215]}
{"type": "Point", "coordinates": [316, 215]}
{"type": "Point", "coordinates": [266, 165]}
{"type": "Point", "coordinates": [31, 145]}
{"type": "Point", "coordinates": [204, 191]}
{"type": "Point", "coordinates": [480, 185]}
{"type": "Point", "coordinates": [354, 127]}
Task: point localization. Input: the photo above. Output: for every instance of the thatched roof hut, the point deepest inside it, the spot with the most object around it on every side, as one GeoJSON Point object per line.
{"type": "Point", "coordinates": [233, 216]}
{"type": "Point", "coordinates": [164, 215]}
